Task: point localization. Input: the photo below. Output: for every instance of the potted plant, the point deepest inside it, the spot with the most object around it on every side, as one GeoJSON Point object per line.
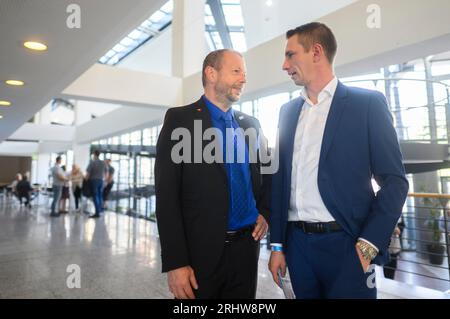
{"type": "Point", "coordinates": [435, 248]}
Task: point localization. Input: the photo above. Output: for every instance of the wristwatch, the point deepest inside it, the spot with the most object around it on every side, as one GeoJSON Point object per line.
{"type": "Point", "coordinates": [367, 251]}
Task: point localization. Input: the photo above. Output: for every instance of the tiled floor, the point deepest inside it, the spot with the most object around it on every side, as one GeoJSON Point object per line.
{"type": "Point", "coordinates": [118, 256]}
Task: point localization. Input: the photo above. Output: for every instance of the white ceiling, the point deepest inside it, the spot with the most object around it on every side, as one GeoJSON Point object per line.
{"type": "Point", "coordinates": [263, 22]}
{"type": "Point", "coordinates": [71, 51]}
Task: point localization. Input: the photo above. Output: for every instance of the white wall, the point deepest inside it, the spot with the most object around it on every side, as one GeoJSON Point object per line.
{"type": "Point", "coordinates": [152, 57]}
{"type": "Point", "coordinates": [263, 23]}
{"type": "Point", "coordinates": [85, 110]}
{"type": "Point", "coordinates": [42, 132]}
{"type": "Point", "coordinates": [104, 83]}
{"type": "Point", "coordinates": [120, 121]}
{"type": "Point", "coordinates": [18, 148]}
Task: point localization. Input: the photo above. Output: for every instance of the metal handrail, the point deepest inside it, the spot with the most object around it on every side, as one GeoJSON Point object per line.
{"type": "Point", "coordinates": [438, 203]}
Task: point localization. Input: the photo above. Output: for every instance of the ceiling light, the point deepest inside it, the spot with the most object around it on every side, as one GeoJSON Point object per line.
{"type": "Point", "coordinates": [1, 116]}
{"type": "Point", "coordinates": [5, 103]}
{"type": "Point", "coordinates": [269, 3]}
{"type": "Point", "coordinates": [14, 82]}
{"type": "Point", "coordinates": [37, 46]}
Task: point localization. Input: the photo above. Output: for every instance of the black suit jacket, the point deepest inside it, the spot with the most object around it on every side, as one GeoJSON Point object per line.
{"type": "Point", "coordinates": [192, 199]}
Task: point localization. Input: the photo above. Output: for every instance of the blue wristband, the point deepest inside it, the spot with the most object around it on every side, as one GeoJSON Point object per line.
{"type": "Point", "coordinates": [277, 248]}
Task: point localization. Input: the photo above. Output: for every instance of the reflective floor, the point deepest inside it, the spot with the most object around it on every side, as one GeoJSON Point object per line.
{"type": "Point", "coordinates": [118, 256]}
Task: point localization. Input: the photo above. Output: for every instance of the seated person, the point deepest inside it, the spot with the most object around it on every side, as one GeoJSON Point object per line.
{"type": "Point", "coordinates": [24, 190]}
{"type": "Point", "coordinates": [12, 188]}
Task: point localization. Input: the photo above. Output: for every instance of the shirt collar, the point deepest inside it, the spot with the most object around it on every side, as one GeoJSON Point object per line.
{"type": "Point", "coordinates": [327, 91]}
{"type": "Point", "coordinates": [216, 112]}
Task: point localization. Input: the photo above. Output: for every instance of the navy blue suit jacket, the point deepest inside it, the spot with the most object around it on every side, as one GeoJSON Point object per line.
{"type": "Point", "coordinates": [359, 143]}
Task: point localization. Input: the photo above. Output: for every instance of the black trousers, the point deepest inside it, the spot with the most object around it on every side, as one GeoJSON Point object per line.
{"type": "Point", "coordinates": [77, 195]}
{"type": "Point", "coordinates": [236, 274]}
{"type": "Point", "coordinates": [390, 267]}
{"type": "Point", "coordinates": [107, 190]}
{"type": "Point", "coordinates": [26, 196]}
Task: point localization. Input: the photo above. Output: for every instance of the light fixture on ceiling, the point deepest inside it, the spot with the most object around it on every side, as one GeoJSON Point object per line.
{"type": "Point", "coordinates": [5, 103]}
{"type": "Point", "coordinates": [36, 46]}
{"type": "Point", "coordinates": [14, 82]}
{"type": "Point", "coordinates": [269, 3]}
{"type": "Point", "coordinates": [1, 116]}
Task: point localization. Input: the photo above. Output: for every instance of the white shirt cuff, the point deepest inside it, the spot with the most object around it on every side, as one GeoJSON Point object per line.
{"type": "Point", "coordinates": [276, 245]}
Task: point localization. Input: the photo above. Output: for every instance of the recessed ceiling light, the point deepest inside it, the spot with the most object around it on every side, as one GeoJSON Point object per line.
{"type": "Point", "coordinates": [5, 103]}
{"type": "Point", "coordinates": [37, 46]}
{"type": "Point", "coordinates": [1, 116]}
{"type": "Point", "coordinates": [269, 3]}
{"type": "Point", "coordinates": [14, 82]}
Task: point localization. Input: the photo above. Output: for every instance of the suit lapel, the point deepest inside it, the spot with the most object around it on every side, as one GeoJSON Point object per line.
{"type": "Point", "coordinates": [290, 128]}
{"type": "Point", "coordinates": [336, 109]}
{"type": "Point", "coordinates": [201, 112]}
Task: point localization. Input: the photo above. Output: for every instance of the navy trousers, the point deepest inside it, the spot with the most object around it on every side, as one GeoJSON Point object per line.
{"type": "Point", "coordinates": [326, 266]}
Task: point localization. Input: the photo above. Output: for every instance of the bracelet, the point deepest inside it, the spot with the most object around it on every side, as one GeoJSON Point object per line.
{"type": "Point", "coordinates": [276, 248]}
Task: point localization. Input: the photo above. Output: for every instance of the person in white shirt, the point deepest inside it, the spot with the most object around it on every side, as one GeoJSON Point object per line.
{"type": "Point", "coordinates": [326, 224]}
{"type": "Point", "coordinates": [58, 182]}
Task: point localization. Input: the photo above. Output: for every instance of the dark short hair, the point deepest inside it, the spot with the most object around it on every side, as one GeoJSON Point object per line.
{"type": "Point", "coordinates": [58, 158]}
{"type": "Point", "coordinates": [316, 32]}
{"type": "Point", "coordinates": [97, 153]}
{"type": "Point", "coordinates": [214, 60]}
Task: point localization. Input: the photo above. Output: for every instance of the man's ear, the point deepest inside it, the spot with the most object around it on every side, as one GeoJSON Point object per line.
{"type": "Point", "coordinates": [211, 74]}
{"type": "Point", "coordinates": [318, 52]}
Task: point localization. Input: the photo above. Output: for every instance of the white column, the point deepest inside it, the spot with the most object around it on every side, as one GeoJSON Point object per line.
{"type": "Point", "coordinates": [42, 168]}
{"type": "Point", "coordinates": [81, 113]}
{"type": "Point", "coordinates": [81, 152]}
{"type": "Point", "coordinates": [188, 37]}
{"type": "Point", "coordinates": [81, 155]}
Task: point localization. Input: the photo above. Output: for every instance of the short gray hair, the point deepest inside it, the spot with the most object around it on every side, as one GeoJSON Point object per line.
{"type": "Point", "coordinates": [214, 60]}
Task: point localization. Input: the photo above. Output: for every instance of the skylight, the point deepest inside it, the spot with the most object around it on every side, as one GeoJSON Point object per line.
{"type": "Point", "coordinates": [224, 25]}
{"type": "Point", "coordinates": [148, 29]}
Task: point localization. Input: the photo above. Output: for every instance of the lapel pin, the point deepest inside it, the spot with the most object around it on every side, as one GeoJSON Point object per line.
{"type": "Point", "coordinates": [241, 117]}
{"type": "Point", "coordinates": [199, 110]}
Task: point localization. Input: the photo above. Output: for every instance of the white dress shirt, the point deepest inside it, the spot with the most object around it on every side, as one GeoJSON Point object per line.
{"type": "Point", "coordinates": [306, 204]}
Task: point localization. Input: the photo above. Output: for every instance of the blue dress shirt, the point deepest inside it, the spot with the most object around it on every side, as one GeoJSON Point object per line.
{"type": "Point", "coordinates": [242, 209]}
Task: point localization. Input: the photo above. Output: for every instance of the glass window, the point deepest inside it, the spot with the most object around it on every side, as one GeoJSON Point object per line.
{"type": "Point", "coordinates": [217, 40]}
{"type": "Point", "coordinates": [234, 24]}
{"type": "Point", "coordinates": [233, 15]}
{"type": "Point", "coordinates": [135, 138]}
{"type": "Point", "coordinates": [209, 41]}
{"type": "Point", "coordinates": [238, 40]}
{"type": "Point", "coordinates": [268, 111]}
{"type": "Point", "coordinates": [247, 108]}
{"type": "Point", "coordinates": [146, 137]}
{"type": "Point", "coordinates": [230, 1]}
{"type": "Point", "coordinates": [115, 140]}
{"type": "Point", "coordinates": [148, 29]}
{"type": "Point", "coordinates": [125, 139]}
{"type": "Point", "coordinates": [440, 68]}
